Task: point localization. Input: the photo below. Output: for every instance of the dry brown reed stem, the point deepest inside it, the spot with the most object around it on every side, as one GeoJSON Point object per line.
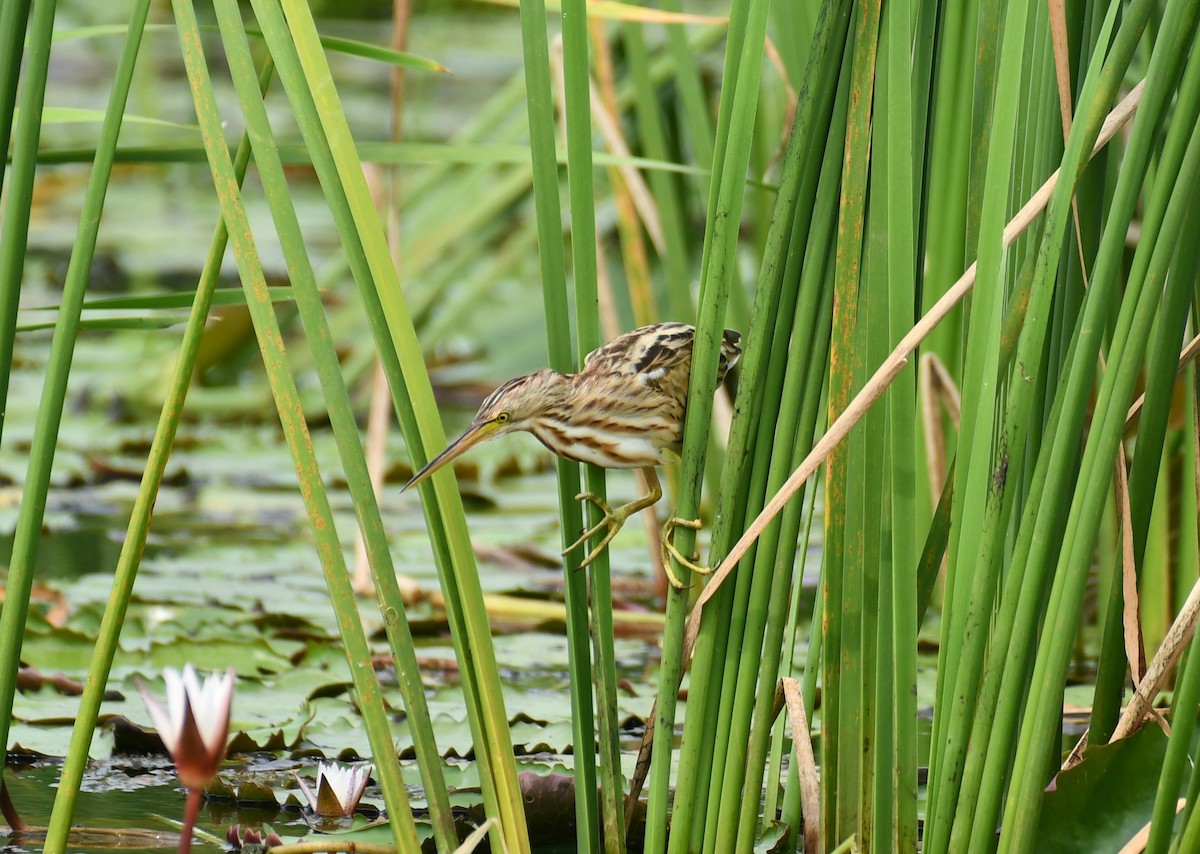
{"type": "Point", "coordinates": [1131, 621]}
{"type": "Point", "coordinates": [379, 417]}
{"type": "Point", "coordinates": [1186, 355]}
{"type": "Point", "coordinates": [1181, 630]}
{"type": "Point", "coordinates": [935, 385]}
{"type": "Point", "coordinates": [806, 763]}
{"type": "Point", "coordinates": [1177, 639]}
{"type": "Point", "coordinates": [614, 141]}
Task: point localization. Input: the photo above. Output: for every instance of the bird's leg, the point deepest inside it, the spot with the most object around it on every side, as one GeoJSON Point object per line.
{"type": "Point", "coordinates": [669, 550]}
{"type": "Point", "coordinates": [614, 518]}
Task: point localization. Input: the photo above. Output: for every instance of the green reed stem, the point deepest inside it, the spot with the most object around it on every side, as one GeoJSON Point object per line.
{"type": "Point", "coordinates": [739, 100]}
{"type": "Point", "coordinates": [1143, 475]}
{"type": "Point", "coordinates": [14, 234]}
{"type": "Point", "coordinates": [587, 328]}
{"type": "Point", "coordinates": [1183, 724]}
{"type": "Point", "coordinates": [138, 529]}
{"type": "Point", "coordinates": [342, 420]}
{"type": "Point", "coordinates": [843, 672]}
{"type": "Point", "coordinates": [901, 402]}
{"type": "Point", "coordinates": [552, 258]}
{"type": "Point", "coordinates": [412, 393]}
{"type": "Point", "coordinates": [1138, 313]}
{"type": "Point", "coordinates": [703, 756]}
{"type": "Point", "coordinates": [283, 388]}
{"type": "Point", "coordinates": [14, 18]}
{"type": "Point", "coordinates": [54, 390]}
{"type": "Point", "coordinates": [666, 188]}
{"type": "Point", "coordinates": [1011, 636]}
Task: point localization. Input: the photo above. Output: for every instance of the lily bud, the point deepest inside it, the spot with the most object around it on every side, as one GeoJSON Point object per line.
{"type": "Point", "coordinates": [195, 724]}
{"type": "Point", "coordinates": [339, 789]}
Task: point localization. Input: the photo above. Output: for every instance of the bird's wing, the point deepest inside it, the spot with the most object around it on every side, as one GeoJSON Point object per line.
{"type": "Point", "coordinates": [648, 354]}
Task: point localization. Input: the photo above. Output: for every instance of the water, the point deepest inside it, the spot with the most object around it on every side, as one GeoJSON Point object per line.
{"type": "Point", "coordinates": [134, 805]}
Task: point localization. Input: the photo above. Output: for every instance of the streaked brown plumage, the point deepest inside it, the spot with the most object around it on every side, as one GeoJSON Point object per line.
{"type": "Point", "coordinates": [623, 410]}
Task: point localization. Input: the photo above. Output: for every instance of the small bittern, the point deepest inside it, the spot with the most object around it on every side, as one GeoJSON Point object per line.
{"type": "Point", "coordinates": [623, 410]}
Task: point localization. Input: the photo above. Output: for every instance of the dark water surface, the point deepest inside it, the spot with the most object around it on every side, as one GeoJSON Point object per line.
{"type": "Point", "coordinates": [140, 808]}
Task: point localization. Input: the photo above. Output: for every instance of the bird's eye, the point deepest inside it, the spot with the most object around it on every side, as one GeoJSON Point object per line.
{"type": "Point", "coordinates": [503, 418]}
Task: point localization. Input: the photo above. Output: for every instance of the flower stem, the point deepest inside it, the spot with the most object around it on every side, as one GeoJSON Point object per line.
{"type": "Point", "coordinates": [190, 811]}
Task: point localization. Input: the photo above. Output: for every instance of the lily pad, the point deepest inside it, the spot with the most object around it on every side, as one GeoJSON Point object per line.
{"type": "Point", "coordinates": [1104, 800]}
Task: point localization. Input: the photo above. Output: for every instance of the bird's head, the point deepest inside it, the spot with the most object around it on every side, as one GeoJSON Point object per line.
{"type": "Point", "coordinates": [516, 405]}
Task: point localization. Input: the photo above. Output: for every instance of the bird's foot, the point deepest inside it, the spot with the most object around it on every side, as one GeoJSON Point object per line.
{"type": "Point", "coordinates": [669, 550]}
{"type": "Point", "coordinates": [613, 520]}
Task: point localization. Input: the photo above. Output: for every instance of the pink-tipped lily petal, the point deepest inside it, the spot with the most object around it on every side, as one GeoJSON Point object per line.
{"type": "Point", "coordinates": [160, 717]}
{"type": "Point", "coordinates": [195, 724]}
{"type": "Point", "coordinates": [210, 705]}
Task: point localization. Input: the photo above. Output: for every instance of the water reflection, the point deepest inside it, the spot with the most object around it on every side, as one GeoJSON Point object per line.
{"type": "Point", "coordinates": [142, 805]}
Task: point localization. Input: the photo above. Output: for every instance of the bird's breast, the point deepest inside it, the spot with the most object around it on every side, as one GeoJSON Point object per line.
{"type": "Point", "coordinates": [610, 442]}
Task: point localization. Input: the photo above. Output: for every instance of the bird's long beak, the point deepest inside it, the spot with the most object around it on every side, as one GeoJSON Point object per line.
{"type": "Point", "coordinates": [475, 434]}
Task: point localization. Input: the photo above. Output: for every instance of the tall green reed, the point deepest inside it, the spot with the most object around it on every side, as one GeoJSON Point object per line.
{"type": "Point", "coordinates": [552, 258]}
{"type": "Point", "coordinates": [138, 528]}
{"type": "Point", "coordinates": [342, 420]}
{"type": "Point", "coordinates": [14, 231]}
{"type": "Point", "coordinates": [412, 394]}
{"type": "Point", "coordinates": [54, 391]}
{"type": "Point", "coordinates": [743, 67]}
{"type": "Point", "coordinates": [283, 388]}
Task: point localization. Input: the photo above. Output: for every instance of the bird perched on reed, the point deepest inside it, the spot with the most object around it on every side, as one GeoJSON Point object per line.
{"type": "Point", "coordinates": [623, 410]}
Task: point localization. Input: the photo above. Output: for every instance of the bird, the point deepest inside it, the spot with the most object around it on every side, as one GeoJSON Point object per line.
{"type": "Point", "coordinates": [624, 409]}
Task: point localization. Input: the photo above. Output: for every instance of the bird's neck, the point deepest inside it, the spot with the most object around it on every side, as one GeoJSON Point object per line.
{"type": "Point", "coordinates": [559, 392]}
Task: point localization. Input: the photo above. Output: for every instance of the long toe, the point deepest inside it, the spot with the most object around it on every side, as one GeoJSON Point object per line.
{"type": "Point", "coordinates": [588, 533]}
{"type": "Point", "coordinates": [595, 553]}
{"type": "Point", "coordinates": [613, 519]}
{"type": "Point", "coordinates": [670, 550]}
{"type": "Point", "coordinates": [668, 528]}
{"type": "Point", "coordinates": [574, 545]}
{"type": "Point", "coordinates": [672, 578]}
{"type": "Point", "coordinates": [600, 503]}
{"type": "Point", "coordinates": [692, 563]}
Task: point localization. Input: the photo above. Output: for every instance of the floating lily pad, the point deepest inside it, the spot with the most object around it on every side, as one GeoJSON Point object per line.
{"type": "Point", "coordinates": [1104, 800]}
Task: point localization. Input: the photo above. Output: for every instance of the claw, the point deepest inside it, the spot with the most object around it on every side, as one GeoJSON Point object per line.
{"type": "Point", "coordinates": [669, 550]}
{"type": "Point", "coordinates": [613, 520]}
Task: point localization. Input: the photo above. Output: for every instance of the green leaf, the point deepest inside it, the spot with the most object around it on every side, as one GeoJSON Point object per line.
{"type": "Point", "coordinates": [351, 47]}
{"type": "Point", "coordinates": [111, 323]}
{"type": "Point", "coordinates": [70, 115]}
{"type": "Point", "coordinates": [1105, 799]}
{"type": "Point", "coordinates": [221, 296]}
{"type": "Point", "coordinates": [379, 53]}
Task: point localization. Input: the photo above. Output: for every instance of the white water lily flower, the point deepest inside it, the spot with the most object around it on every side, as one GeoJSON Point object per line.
{"type": "Point", "coordinates": [195, 724]}
{"type": "Point", "coordinates": [339, 788]}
